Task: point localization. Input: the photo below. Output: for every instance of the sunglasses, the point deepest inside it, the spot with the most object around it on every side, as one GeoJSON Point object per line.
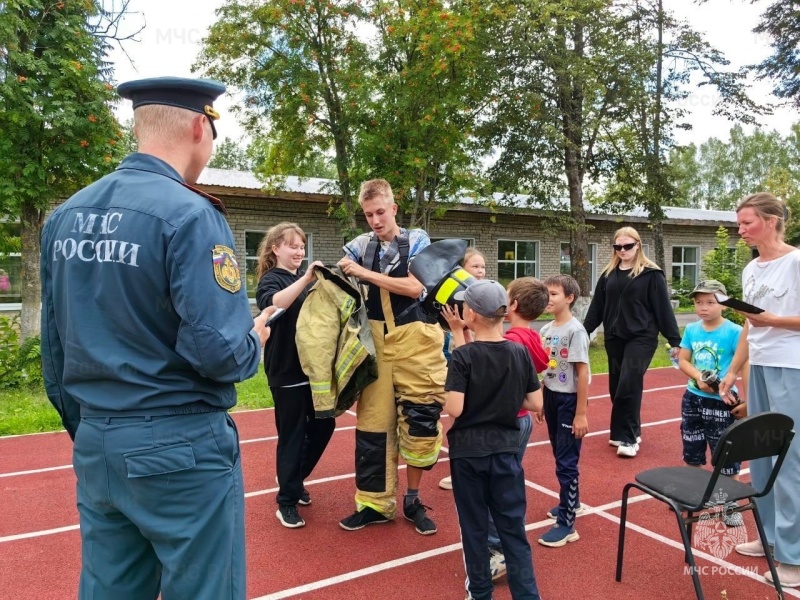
{"type": "Point", "coordinates": [619, 247]}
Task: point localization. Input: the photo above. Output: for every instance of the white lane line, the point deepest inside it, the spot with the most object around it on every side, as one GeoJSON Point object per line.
{"type": "Point", "coordinates": [35, 471]}
{"type": "Point", "coordinates": [33, 534]}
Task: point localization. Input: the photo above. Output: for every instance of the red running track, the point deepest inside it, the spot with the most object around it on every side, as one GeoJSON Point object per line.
{"type": "Point", "coordinates": [40, 541]}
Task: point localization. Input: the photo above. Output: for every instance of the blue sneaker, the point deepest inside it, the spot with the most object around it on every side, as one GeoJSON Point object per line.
{"type": "Point", "coordinates": [559, 536]}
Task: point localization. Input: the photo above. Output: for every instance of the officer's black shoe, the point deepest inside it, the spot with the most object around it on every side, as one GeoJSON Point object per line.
{"type": "Point", "coordinates": [305, 498]}
{"type": "Point", "coordinates": [415, 512]}
{"type": "Point", "coordinates": [289, 517]}
{"type": "Point", "coordinates": [362, 518]}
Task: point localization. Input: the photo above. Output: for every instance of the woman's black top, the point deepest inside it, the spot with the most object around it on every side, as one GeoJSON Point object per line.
{"type": "Point", "coordinates": [633, 307]}
{"type": "Point", "coordinates": [281, 363]}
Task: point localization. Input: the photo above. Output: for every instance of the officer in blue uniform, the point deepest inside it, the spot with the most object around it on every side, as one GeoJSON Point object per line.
{"type": "Point", "coordinates": [145, 329]}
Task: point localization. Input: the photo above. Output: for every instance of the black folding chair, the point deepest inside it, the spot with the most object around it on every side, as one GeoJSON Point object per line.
{"type": "Point", "coordinates": [690, 489]}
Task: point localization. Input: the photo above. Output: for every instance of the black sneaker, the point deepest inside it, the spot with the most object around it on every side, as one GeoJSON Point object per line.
{"type": "Point", "coordinates": [362, 518]}
{"type": "Point", "coordinates": [289, 517]}
{"type": "Point", "coordinates": [305, 498]}
{"type": "Point", "coordinates": [415, 512]}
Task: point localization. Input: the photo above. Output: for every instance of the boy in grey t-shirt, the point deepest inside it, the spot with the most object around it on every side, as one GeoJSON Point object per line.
{"type": "Point", "coordinates": [566, 393]}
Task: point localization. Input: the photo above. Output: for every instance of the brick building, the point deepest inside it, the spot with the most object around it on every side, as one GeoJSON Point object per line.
{"type": "Point", "coordinates": [515, 241]}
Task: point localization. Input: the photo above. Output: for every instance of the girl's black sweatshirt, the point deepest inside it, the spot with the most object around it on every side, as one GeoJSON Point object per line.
{"type": "Point", "coordinates": [633, 307]}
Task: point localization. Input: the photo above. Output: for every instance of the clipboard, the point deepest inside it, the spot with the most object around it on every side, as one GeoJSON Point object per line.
{"type": "Point", "coordinates": [736, 304]}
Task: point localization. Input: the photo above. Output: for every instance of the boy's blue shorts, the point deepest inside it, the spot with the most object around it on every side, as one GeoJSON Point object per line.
{"type": "Point", "coordinates": [703, 420]}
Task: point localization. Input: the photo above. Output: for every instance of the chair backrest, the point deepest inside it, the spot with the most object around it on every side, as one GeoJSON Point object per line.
{"type": "Point", "coordinates": [758, 436]}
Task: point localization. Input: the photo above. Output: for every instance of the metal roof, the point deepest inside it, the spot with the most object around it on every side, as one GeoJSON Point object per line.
{"type": "Point", "coordinates": [246, 180]}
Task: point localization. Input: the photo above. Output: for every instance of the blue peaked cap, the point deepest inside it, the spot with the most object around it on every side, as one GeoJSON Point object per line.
{"type": "Point", "coordinates": [197, 95]}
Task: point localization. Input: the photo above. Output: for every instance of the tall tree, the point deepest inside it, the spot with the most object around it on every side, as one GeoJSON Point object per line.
{"type": "Point", "coordinates": [564, 68]}
{"type": "Point", "coordinates": [303, 72]}
{"type": "Point", "coordinates": [675, 60]}
{"type": "Point", "coordinates": [419, 130]}
{"type": "Point", "coordinates": [58, 131]}
{"type": "Point", "coordinates": [781, 21]}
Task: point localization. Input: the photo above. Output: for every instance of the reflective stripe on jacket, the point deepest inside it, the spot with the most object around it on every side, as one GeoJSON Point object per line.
{"type": "Point", "coordinates": [334, 343]}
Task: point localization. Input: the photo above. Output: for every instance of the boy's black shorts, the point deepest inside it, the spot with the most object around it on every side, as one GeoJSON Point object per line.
{"type": "Point", "coordinates": [703, 420]}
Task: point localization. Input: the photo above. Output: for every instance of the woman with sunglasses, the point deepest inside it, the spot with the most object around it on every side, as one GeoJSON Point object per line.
{"type": "Point", "coordinates": [631, 300]}
{"type": "Point", "coordinates": [771, 340]}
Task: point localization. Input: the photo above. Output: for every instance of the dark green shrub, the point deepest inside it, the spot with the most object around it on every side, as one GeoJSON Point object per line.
{"type": "Point", "coordinates": [20, 363]}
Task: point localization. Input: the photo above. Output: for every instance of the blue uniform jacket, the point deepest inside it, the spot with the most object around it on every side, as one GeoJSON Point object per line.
{"type": "Point", "coordinates": [143, 308]}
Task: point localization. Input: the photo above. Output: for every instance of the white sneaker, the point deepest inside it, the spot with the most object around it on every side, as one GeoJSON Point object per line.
{"type": "Point", "coordinates": [754, 548]}
{"type": "Point", "coordinates": [497, 565]}
{"type": "Point", "coordinates": [627, 450]}
{"type": "Point", "coordinates": [616, 443]}
{"type": "Point", "coordinates": [446, 483]}
{"type": "Point", "coordinates": [789, 575]}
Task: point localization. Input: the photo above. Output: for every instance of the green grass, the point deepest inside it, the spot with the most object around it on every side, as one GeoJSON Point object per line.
{"type": "Point", "coordinates": [29, 411]}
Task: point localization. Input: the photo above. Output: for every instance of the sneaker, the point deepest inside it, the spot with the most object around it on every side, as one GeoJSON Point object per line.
{"type": "Point", "coordinates": [559, 536]}
{"type": "Point", "coordinates": [415, 512]}
{"type": "Point", "coordinates": [289, 517]}
{"type": "Point", "coordinates": [362, 518]}
{"type": "Point", "coordinates": [627, 450]}
{"type": "Point", "coordinates": [305, 497]}
{"type": "Point", "coordinates": [789, 575]}
{"type": "Point", "coordinates": [497, 564]}
{"type": "Point", "coordinates": [446, 483]}
{"type": "Point", "coordinates": [733, 519]}
{"type": "Point", "coordinates": [616, 443]}
{"type": "Point", "coordinates": [754, 548]}
{"type": "Point", "coordinates": [553, 512]}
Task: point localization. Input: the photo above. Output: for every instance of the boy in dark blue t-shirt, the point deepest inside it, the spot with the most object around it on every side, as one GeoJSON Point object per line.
{"type": "Point", "coordinates": [488, 382]}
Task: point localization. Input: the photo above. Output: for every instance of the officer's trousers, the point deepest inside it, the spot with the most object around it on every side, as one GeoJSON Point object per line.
{"type": "Point", "coordinates": [161, 507]}
{"type": "Point", "coordinates": [399, 411]}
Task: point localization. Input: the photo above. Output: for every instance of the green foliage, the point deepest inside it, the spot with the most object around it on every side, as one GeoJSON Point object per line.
{"type": "Point", "coordinates": [725, 264]}
{"type": "Point", "coordinates": [228, 154]}
{"type": "Point", "coordinates": [20, 363]}
{"type": "Point", "coordinates": [782, 23]}
{"type": "Point", "coordinates": [59, 133]}
{"type": "Point", "coordinates": [303, 71]}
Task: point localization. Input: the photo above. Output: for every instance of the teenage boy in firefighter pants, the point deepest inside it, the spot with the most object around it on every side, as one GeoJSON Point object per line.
{"type": "Point", "coordinates": [400, 411]}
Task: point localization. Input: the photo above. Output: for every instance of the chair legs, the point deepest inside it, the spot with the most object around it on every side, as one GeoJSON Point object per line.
{"type": "Point", "coordinates": [689, 557]}
{"type": "Point", "coordinates": [622, 518]}
{"type": "Point", "coordinates": [770, 560]}
{"type": "Point", "coordinates": [687, 548]}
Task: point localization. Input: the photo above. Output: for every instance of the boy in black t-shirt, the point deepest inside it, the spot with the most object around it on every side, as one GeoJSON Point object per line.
{"type": "Point", "coordinates": [487, 383]}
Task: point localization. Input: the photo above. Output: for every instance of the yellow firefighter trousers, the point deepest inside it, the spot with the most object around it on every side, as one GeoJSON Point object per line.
{"type": "Point", "coordinates": [411, 373]}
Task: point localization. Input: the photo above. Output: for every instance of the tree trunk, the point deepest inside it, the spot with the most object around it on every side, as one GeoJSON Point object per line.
{"type": "Point", "coordinates": [30, 237]}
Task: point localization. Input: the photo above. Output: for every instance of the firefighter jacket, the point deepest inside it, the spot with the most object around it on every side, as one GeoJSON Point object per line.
{"type": "Point", "coordinates": [334, 343]}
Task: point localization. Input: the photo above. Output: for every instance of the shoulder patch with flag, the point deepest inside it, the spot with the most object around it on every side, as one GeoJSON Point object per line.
{"type": "Point", "coordinates": [226, 268]}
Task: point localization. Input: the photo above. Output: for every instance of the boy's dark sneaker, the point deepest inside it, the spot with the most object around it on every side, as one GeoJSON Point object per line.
{"type": "Point", "coordinates": [415, 512]}
{"type": "Point", "coordinates": [559, 536]}
{"type": "Point", "coordinates": [289, 517]}
{"type": "Point", "coordinates": [305, 498]}
{"type": "Point", "coordinates": [362, 518]}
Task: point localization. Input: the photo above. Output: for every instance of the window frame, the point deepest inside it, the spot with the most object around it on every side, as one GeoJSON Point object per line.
{"type": "Point", "coordinates": [682, 263]}
{"type": "Point", "coordinates": [537, 261]}
{"type": "Point", "coordinates": [592, 263]}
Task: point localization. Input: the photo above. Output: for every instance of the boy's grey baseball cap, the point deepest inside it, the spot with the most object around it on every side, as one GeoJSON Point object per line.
{"type": "Point", "coordinates": [486, 297]}
{"type": "Point", "coordinates": [709, 286]}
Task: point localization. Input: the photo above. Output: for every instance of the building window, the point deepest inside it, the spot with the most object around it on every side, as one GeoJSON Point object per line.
{"type": "Point", "coordinates": [646, 251]}
{"type": "Point", "coordinates": [516, 259]}
{"type": "Point", "coordinates": [566, 264]}
{"type": "Point", "coordinates": [251, 241]}
{"type": "Point", "coordinates": [685, 264]}
{"type": "Point", "coordinates": [10, 264]}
